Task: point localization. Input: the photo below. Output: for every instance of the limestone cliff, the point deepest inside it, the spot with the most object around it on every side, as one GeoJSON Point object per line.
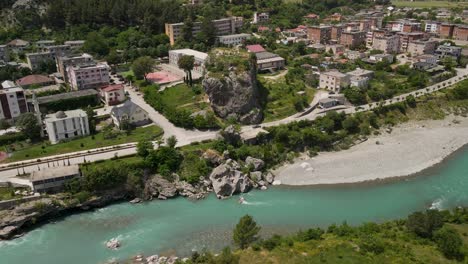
{"type": "Point", "coordinates": [235, 96]}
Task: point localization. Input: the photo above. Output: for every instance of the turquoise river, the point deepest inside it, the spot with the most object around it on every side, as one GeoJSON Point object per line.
{"type": "Point", "coordinates": [180, 226]}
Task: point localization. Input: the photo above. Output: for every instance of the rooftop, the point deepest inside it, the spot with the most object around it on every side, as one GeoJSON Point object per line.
{"type": "Point", "coordinates": [52, 173]}
{"type": "Point", "coordinates": [64, 114]}
{"type": "Point", "coordinates": [34, 79]}
{"type": "Point", "coordinates": [335, 74]}
{"type": "Point", "coordinates": [65, 96]}
{"type": "Point", "coordinates": [255, 48]}
{"type": "Point", "coordinates": [235, 35]}
{"type": "Point", "coordinates": [113, 87]}
{"type": "Point", "coordinates": [360, 72]}
{"type": "Point", "coordinates": [125, 109]}
{"type": "Point", "coordinates": [191, 52]}
{"type": "Point", "coordinates": [18, 42]}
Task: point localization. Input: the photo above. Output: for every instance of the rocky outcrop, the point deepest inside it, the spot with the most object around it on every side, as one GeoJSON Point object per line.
{"type": "Point", "coordinates": [158, 187]}
{"type": "Point", "coordinates": [256, 164]}
{"type": "Point", "coordinates": [235, 96]}
{"type": "Point", "coordinates": [231, 135]}
{"type": "Point", "coordinates": [213, 156]}
{"type": "Point", "coordinates": [227, 179]}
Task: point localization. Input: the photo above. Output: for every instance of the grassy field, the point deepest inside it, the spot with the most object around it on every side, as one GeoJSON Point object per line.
{"type": "Point", "coordinates": [25, 151]}
{"type": "Point", "coordinates": [182, 96]}
{"type": "Point", "coordinates": [430, 4]}
{"type": "Point", "coordinates": [281, 97]}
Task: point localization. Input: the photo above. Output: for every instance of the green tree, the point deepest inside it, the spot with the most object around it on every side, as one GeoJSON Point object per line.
{"type": "Point", "coordinates": [144, 147]}
{"type": "Point", "coordinates": [171, 141]}
{"type": "Point", "coordinates": [424, 224]}
{"type": "Point", "coordinates": [91, 119]}
{"type": "Point", "coordinates": [245, 232]}
{"type": "Point", "coordinates": [142, 66]}
{"type": "Point", "coordinates": [187, 63]}
{"type": "Point", "coordinates": [449, 242]}
{"type": "Point", "coordinates": [97, 44]}
{"type": "Point", "coordinates": [29, 125]}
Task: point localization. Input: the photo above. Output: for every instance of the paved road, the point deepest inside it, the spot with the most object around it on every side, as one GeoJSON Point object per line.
{"type": "Point", "coordinates": [186, 137]}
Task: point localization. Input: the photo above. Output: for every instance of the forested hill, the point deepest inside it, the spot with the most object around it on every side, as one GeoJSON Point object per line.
{"type": "Point", "coordinates": [152, 14]}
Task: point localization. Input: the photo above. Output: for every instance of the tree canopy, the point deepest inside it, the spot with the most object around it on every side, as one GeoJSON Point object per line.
{"type": "Point", "coordinates": [142, 66]}
{"type": "Point", "coordinates": [245, 232]}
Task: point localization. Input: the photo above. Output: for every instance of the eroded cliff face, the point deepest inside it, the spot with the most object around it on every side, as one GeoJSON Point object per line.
{"type": "Point", "coordinates": [235, 96]}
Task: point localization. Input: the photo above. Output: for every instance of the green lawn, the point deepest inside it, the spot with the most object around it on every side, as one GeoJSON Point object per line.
{"type": "Point", "coordinates": [184, 97]}
{"type": "Point", "coordinates": [25, 151]}
{"type": "Point", "coordinates": [429, 4]}
{"type": "Point", "coordinates": [281, 97]}
{"type": "Point", "coordinates": [7, 193]}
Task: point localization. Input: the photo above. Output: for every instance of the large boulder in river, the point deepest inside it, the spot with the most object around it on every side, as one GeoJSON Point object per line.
{"type": "Point", "coordinates": [228, 180]}
{"type": "Point", "coordinates": [235, 96]}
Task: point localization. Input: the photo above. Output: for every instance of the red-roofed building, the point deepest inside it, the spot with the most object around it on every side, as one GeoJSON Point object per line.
{"type": "Point", "coordinates": [35, 80]}
{"type": "Point", "coordinates": [255, 48]}
{"type": "Point", "coordinates": [312, 16]}
{"type": "Point", "coordinates": [112, 94]}
{"type": "Point", "coordinates": [263, 29]}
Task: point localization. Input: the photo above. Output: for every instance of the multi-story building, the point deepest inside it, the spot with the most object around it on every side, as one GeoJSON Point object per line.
{"type": "Point", "coordinates": [45, 43]}
{"type": "Point", "coordinates": [88, 76]}
{"type": "Point", "coordinates": [12, 101]}
{"type": "Point", "coordinates": [336, 32]}
{"type": "Point", "coordinates": [360, 77]}
{"type": "Point", "coordinates": [448, 51]}
{"type": "Point", "coordinates": [224, 26]}
{"type": "Point", "coordinates": [431, 26]}
{"type": "Point", "coordinates": [269, 61]}
{"type": "Point", "coordinates": [460, 32]}
{"type": "Point", "coordinates": [411, 27]}
{"type": "Point", "coordinates": [75, 44]}
{"type": "Point", "coordinates": [234, 40]}
{"type": "Point", "coordinates": [446, 30]}
{"type": "Point", "coordinates": [333, 81]}
{"type": "Point", "coordinates": [112, 94]}
{"type": "Point", "coordinates": [419, 47]}
{"type": "Point", "coordinates": [370, 35]}
{"type": "Point", "coordinates": [426, 58]}
{"type": "Point", "coordinates": [65, 125]}
{"type": "Point", "coordinates": [387, 44]}
{"type": "Point", "coordinates": [200, 58]}
{"type": "Point", "coordinates": [407, 37]}
{"type": "Point", "coordinates": [353, 39]}
{"type": "Point", "coordinates": [64, 62]}
{"type": "Point", "coordinates": [319, 34]}
{"type": "Point", "coordinates": [58, 50]}
{"type": "Point", "coordinates": [18, 45]}
{"type": "Point", "coordinates": [404, 25]}
{"type": "Point", "coordinates": [259, 18]}
{"type": "Point", "coordinates": [35, 60]}
{"type": "Point", "coordinates": [4, 55]}
{"type": "Point", "coordinates": [365, 25]}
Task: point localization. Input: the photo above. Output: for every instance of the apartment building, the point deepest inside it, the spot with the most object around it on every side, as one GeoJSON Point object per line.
{"type": "Point", "coordinates": [319, 34]}
{"type": "Point", "coordinates": [64, 62]}
{"type": "Point", "coordinates": [234, 40]}
{"type": "Point", "coordinates": [448, 51]}
{"type": "Point", "coordinates": [370, 35]}
{"type": "Point", "coordinates": [269, 61]}
{"type": "Point", "coordinates": [432, 27]}
{"type": "Point", "coordinates": [387, 44]}
{"type": "Point", "coordinates": [419, 47]}
{"type": "Point", "coordinates": [4, 55]}
{"type": "Point", "coordinates": [336, 32]}
{"type": "Point", "coordinates": [404, 25]}
{"type": "Point", "coordinates": [200, 58]}
{"type": "Point", "coordinates": [65, 125]}
{"type": "Point", "coordinates": [224, 26]}
{"type": "Point", "coordinates": [12, 101]}
{"type": "Point", "coordinates": [353, 39]}
{"type": "Point", "coordinates": [88, 76]}
{"type": "Point", "coordinates": [259, 18]}
{"type": "Point", "coordinates": [460, 32]}
{"type": "Point", "coordinates": [112, 94]}
{"type": "Point", "coordinates": [75, 44]}
{"type": "Point", "coordinates": [333, 81]}
{"type": "Point", "coordinates": [58, 50]}
{"type": "Point", "coordinates": [407, 37]}
{"type": "Point", "coordinates": [446, 30]}
{"type": "Point", "coordinates": [35, 60]}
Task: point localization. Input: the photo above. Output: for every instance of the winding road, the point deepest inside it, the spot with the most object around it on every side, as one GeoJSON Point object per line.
{"type": "Point", "coordinates": [186, 137]}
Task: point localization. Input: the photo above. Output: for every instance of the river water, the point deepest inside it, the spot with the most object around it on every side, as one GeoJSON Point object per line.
{"type": "Point", "coordinates": [180, 226]}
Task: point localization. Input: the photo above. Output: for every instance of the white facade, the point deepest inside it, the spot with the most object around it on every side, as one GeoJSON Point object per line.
{"type": "Point", "coordinates": [75, 44]}
{"type": "Point", "coordinates": [260, 17]}
{"type": "Point", "coordinates": [388, 44]}
{"type": "Point", "coordinates": [88, 77]}
{"type": "Point", "coordinates": [66, 125]}
{"type": "Point", "coordinates": [333, 81]}
{"type": "Point", "coordinates": [432, 27]}
{"type": "Point", "coordinates": [233, 40]}
{"type": "Point", "coordinates": [200, 58]}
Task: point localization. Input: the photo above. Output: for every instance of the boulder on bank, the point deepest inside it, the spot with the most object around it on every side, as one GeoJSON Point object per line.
{"type": "Point", "coordinates": [158, 187]}
{"type": "Point", "coordinates": [269, 177]}
{"type": "Point", "coordinates": [213, 156]}
{"type": "Point", "coordinates": [228, 180]}
{"type": "Point", "coordinates": [257, 164]}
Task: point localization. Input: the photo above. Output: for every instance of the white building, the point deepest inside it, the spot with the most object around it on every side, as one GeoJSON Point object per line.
{"type": "Point", "coordinates": [75, 44]}
{"type": "Point", "coordinates": [12, 101]}
{"type": "Point", "coordinates": [88, 76]}
{"type": "Point", "coordinates": [233, 40]}
{"type": "Point", "coordinates": [53, 179]}
{"type": "Point", "coordinates": [200, 58]}
{"type": "Point", "coordinates": [333, 81]}
{"type": "Point", "coordinates": [360, 77]}
{"type": "Point", "coordinates": [431, 26]}
{"type": "Point", "coordinates": [66, 125]}
{"type": "Point", "coordinates": [112, 94]}
{"type": "Point", "coordinates": [387, 44]}
{"type": "Point", "coordinates": [260, 17]}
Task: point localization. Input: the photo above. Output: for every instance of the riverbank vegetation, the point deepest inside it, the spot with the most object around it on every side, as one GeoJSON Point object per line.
{"type": "Point", "coordinates": [423, 237]}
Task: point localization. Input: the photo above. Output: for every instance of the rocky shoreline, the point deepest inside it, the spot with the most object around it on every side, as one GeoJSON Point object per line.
{"type": "Point", "coordinates": [228, 178]}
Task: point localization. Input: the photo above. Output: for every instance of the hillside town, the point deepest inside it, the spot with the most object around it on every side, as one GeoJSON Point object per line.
{"type": "Point", "coordinates": [192, 110]}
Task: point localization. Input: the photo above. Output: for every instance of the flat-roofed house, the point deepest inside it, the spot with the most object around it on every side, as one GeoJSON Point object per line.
{"type": "Point", "coordinates": [269, 61]}
{"type": "Point", "coordinates": [88, 76]}
{"type": "Point", "coordinates": [333, 81]}
{"type": "Point", "coordinates": [53, 179]}
{"type": "Point", "coordinates": [233, 40]}
{"type": "Point", "coordinates": [200, 58]}
{"type": "Point", "coordinates": [65, 125]}
{"type": "Point", "coordinates": [12, 101]}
